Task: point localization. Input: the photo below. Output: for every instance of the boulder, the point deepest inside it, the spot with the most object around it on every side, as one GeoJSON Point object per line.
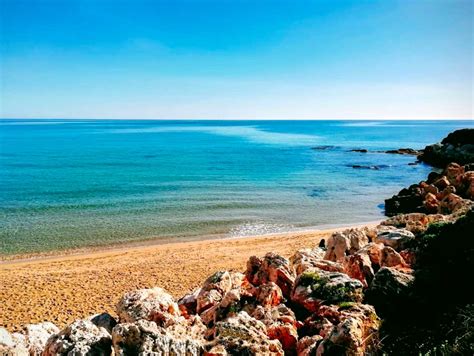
{"type": "Point", "coordinates": [391, 258]}
{"type": "Point", "coordinates": [188, 303]}
{"type": "Point", "coordinates": [80, 338]}
{"type": "Point", "coordinates": [269, 295]}
{"type": "Point", "coordinates": [458, 147]}
{"type": "Point", "coordinates": [149, 304]}
{"type": "Point", "coordinates": [281, 325]}
{"type": "Point", "coordinates": [393, 237]}
{"type": "Point", "coordinates": [451, 203]}
{"type": "Point", "coordinates": [308, 345]}
{"type": "Point", "coordinates": [306, 258]}
{"type": "Point", "coordinates": [103, 320]}
{"type": "Point", "coordinates": [389, 288]}
{"type": "Point", "coordinates": [338, 247]}
{"type": "Point", "coordinates": [242, 335]}
{"type": "Point", "coordinates": [147, 338]}
{"type": "Point", "coordinates": [10, 346]}
{"type": "Point", "coordinates": [317, 287]}
{"type": "Point", "coordinates": [346, 329]}
{"type": "Point", "coordinates": [213, 290]}
{"type": "Point", "coordinates": [359, 266]}
{"type": "Point", "coordinates": [272, 268]}
{"type": "Point", "coordinates": [431, 203]}
{"type": "Point", "coordinates": [36, 336]}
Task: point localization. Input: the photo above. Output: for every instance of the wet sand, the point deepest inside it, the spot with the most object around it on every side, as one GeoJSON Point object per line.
{"type": "Point", "coordinates": [63, 288]}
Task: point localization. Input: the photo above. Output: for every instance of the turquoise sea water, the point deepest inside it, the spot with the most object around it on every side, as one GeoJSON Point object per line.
{"type": "Point", "coordinates": [80, 183]}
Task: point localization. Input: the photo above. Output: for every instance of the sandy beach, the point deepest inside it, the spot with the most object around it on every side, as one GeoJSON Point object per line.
{"type": "Point", "coordinates": [67, 287]}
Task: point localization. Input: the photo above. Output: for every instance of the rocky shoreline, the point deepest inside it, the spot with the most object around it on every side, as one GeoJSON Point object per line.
{"type": "Point", "coordinates": [324, 300]}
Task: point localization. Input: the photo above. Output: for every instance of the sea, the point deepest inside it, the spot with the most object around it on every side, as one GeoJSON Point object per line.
{"type": "Point", "coordinates": [82, 183]}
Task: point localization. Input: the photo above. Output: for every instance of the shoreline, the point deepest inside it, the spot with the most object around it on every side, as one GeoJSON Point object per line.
{"type": "Point", "coordinates": [157, 241]}
{"type": "Point", "coordinates": [64, 288]}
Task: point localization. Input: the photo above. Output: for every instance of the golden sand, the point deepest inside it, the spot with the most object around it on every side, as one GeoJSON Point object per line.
{"type": "Point", "coordinates": [64, 288]}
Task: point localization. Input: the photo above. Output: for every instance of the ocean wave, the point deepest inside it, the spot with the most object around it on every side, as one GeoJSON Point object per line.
{"type": "Point", "coordinates": [250, 133]}
{"type": "Point", "coordinates": [259, 228]}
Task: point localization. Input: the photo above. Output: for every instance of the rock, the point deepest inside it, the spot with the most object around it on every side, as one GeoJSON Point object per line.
{"type": "Point", "coordinates": [454, 173]}
{"type": "Point", "coordinates": [359, 266]}
{"type": "Point", "coordinates": [103, 320]}
{"type": "Point", "coordinates": [468, 184]}
{"type": "Point", "coordinates": [358, 166]}
{"type": "Point", "coordinates": [374, 252]}
{"type": "Point", "coordinates": [431, 203]}
{"type": "Point", "coordinates": [310, 259]}
{"type": "Point", "coordinates": [147, 338]}
{"type": "Point", "coordinates": [188, 304]}
{"type": "Point", "coordinates": [404, 151]}
{"type": "Point", "coordinates": [80, 338]}
{"type": "Point", "coordinates": [409, 256]}
{"type": "Point", "coordinates": [344, 329]}
{"type": "Point", "coordinates": [415, 222]}
{"type": "Point", "coordinates": [458, 147]}
{"type": "Point", "coordinates": [360, 150]}
{"type": "Point", "coordinates": [338, 246]}
{"type": "Point", "coordinates": [272, 268]}
{"type": "Point", "coordinates": [314, 288]}
{"type": "Point", "coordinates": [357, 239]}
{"type": "Point", "coordinates": [441, 183]}
{"type": "Point", "coordinates": [391, 258]}
{"type": "Point", "coordinates": [36, 336]}
{"type": "Point", "coordinates": [242, 335]}
{"type": "Point", "coordinates": [393, 237]}
{"type": "Point", "coordinates": [451, 203]}
{"type": "Point", "coordinates": [323, 148]}
{"type": "Point", "coordinates": [306, 258]}
{"type": "Point", "coordinates": [308, 345]}
{"type": "Point", "coordinates": [9, 346]}
{"type": "Point", "coordinates": [389, 287]}
{"type": "Point", "coordinates": [213, 290]}
{"type": "Point", "coordinates": [408, 200]}
{"type": "Point", "coordinates": [149, 304]}
{"type": "Point", "coordinates": [269, 295]}
{"type": "Point", "coordinates": [281, 325]}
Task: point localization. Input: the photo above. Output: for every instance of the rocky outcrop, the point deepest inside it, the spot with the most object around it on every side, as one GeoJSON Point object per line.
{"type": "Point", "coordinates": [458, 147]}
{"type": "Point", "coordinates": [445, 193]}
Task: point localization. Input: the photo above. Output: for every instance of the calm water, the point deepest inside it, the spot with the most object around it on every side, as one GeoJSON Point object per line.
{"type": "Point", "coordinates": [78, 183]}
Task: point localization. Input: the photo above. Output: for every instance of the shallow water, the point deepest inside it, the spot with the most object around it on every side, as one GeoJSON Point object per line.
{"type": "Point", "coordinates": [80, 183]}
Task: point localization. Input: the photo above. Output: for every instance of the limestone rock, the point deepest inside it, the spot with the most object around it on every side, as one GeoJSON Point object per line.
{"type": "Point", "coordinates": [393, 237]}
{"type": "Point", "coordinates": [306, 258]}
{"type": "Point", "coordinates": [80, 338]}
{"type": "Point", "coordinates": [147, 338]}
{"type": "Point", "coordinates": [9, 346]}
{"type": "Point", "coordinates": [314, 288]}
{"type": "Point", "coordinates": [272, 268]}
{"type": "Point", "coordinates": [149, 304]}
{"type": "Point", "coordinates": [338, 246]}
{"type": "Point", "coordinates": [243, 335]}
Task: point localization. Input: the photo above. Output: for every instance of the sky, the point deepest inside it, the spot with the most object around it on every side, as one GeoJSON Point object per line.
{"type": "Point", "coordinates": [222, 59]}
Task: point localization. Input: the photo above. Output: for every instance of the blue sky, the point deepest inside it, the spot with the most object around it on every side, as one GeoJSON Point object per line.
{"type": "Point", "coordinates": [236, 59]}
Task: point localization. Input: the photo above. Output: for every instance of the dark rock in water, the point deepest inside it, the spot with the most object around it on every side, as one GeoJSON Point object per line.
{"type": "Point", "coordinates": [460, 137]}
{"type": "Point", "coordinates": [375, 167]}
{"type": "Point", "coordinates": [404, 151]}
{"type": "Point", "coordinates": [457, 147]}
{"type": "Point", "coordinates": [361, 150]}
{"type": "Point", "coordinates": [414, 163]}
{"type": "Point", "coordinates": [323, 148]}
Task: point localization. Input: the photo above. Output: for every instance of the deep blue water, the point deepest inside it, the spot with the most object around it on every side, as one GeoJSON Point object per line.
{"type": "Point", "coordinates": [79, 183]}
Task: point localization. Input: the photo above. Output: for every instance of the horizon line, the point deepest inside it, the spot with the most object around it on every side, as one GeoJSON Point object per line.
{"type": "Point", "coordinates": [239, 119]}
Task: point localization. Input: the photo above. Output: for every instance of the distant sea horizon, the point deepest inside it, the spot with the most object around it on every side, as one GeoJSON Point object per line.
{"type": "Point", "coordinates": [72, 183]}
